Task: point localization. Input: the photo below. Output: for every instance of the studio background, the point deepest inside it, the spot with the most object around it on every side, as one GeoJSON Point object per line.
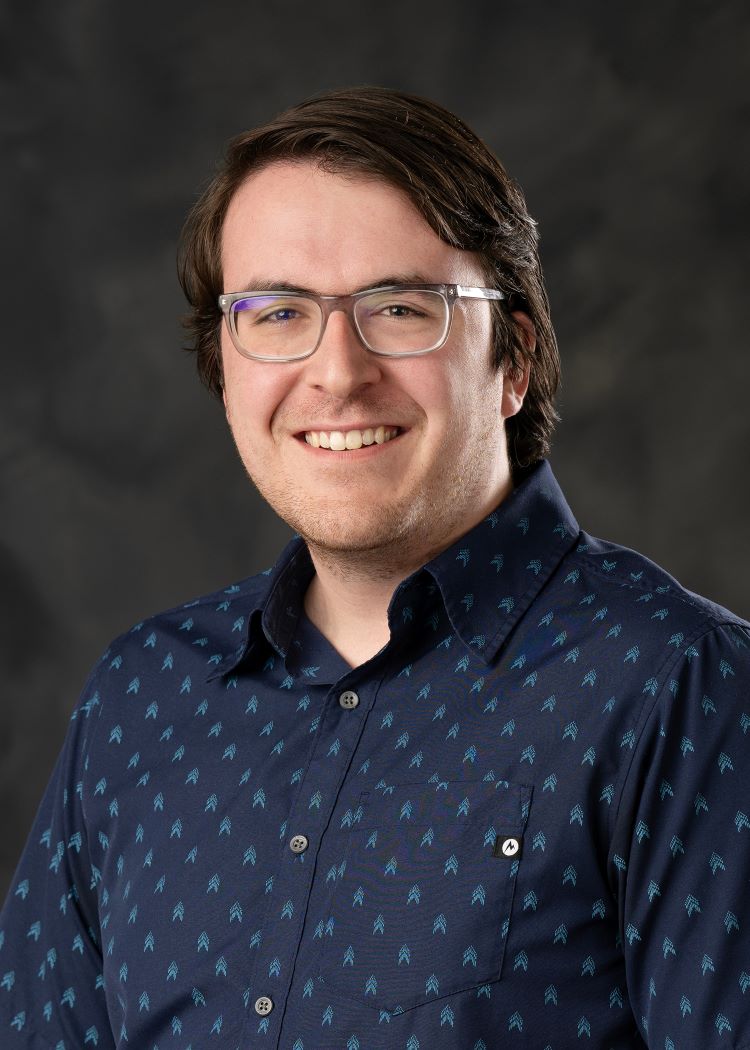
{"type": "Point", "coordinates": [627, 126]}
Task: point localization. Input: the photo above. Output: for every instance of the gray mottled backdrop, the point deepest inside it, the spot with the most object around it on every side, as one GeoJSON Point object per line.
{"type": "Point", "coordinates": [121, 493]}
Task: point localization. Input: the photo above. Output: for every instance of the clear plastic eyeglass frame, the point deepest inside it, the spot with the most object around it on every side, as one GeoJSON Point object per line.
{"type": "Point", "coordinates": [348, 304]}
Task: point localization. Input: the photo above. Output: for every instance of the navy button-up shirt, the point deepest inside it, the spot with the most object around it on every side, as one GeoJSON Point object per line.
{"type": "Point", "coordinates": [524, 823]}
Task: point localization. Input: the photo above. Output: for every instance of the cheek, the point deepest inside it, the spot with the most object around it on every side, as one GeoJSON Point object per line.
{"type": "Point", "coordinates": [427, 383]}
{"type": "Point", "coordinates": [252, 391]}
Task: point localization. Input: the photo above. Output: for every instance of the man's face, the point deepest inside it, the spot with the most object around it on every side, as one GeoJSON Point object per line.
{"type": "Point", "coordinates": [445, 467]}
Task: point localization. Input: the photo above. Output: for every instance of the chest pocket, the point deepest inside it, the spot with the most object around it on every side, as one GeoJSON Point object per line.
{"type": "Point", "coordinates": [423, 906]}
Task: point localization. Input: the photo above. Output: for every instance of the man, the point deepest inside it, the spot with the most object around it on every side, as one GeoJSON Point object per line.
{"type": "Point", "coordinates": [452, 773]}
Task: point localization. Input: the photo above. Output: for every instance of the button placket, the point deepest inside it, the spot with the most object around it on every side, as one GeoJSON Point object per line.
{"type": "Point", "coordinates": [324, 775]}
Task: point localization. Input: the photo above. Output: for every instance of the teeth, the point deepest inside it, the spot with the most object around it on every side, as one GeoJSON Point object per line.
{"type": "Point", "coordinates": [354, 439]}
{"type": "Point", "coordinates": [340, 440]}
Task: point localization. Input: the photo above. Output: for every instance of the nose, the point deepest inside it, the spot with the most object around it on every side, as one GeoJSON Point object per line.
{"type": "Point", "coordinates": [341, 364]}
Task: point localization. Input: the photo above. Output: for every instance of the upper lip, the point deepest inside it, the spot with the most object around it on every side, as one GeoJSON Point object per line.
{"type": "Point", "coordinates": [344, 427]}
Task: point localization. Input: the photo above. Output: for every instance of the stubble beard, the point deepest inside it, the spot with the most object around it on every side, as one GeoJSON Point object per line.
{"type": "Point", "coordinates": [355, 540]}
{"type": "Point", "coordinates": [393, 538]}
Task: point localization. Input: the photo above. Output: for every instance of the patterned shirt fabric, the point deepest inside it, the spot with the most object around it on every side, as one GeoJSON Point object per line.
{"type": "Point", "coordinates": [521, 824]}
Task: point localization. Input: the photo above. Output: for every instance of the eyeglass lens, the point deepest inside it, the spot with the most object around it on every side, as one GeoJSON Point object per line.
{"type": "Point", "coordinates": [403, 321]}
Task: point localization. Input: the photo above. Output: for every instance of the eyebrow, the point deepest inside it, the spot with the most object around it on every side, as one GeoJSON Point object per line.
{"type": "Point", "coordinates": [266, 285]}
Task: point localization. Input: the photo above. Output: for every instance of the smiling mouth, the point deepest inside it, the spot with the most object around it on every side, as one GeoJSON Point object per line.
{"type": "Point", "coordinates": [350, 440]}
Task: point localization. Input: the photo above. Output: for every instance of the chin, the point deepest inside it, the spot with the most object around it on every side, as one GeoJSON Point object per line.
{"type": "Point", "coordinates": [357, 529]}
{"type": "Point", "coordinates": [345, 537]}
{"type": "Point", "coordinates": [355, 522]}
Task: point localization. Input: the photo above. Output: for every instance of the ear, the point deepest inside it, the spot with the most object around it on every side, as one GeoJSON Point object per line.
{"type": "Point", "coordinates": [516, 381]}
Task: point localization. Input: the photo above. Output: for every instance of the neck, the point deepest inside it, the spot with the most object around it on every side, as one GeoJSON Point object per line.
{"type": "Point", "coordinates": [348, 600]}
{"type": "Point", "coordinates": [349, 595]}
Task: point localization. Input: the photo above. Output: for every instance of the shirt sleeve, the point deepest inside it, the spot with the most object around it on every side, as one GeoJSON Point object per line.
{"type": "Point", "coordinates": [51, 987]}
{"type": "Point", "coordinates": [680, 857]}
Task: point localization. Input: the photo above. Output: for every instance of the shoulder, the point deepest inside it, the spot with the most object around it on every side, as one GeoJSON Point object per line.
{"type": "Point", "coordinates": [184, 643]}
{"type": "Point", "coordinates": [638, 588]}
{"type": "Point", "coordinates": [208, 613]}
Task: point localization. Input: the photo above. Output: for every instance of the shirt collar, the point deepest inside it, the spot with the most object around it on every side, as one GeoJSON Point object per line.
{"type": "Point", "coordinates": [272, 611]}
{"type": "Point", "coordinates": [490, 577]}
{"type": "Point", "coordinates": [487, 579]}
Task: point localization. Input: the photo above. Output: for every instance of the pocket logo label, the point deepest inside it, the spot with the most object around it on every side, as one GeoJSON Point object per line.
{"type": "Point", "coordinates": [507, 846]}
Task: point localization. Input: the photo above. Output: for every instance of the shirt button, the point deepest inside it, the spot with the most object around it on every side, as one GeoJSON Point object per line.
{"type": "Point", "coordinates": [348, 700]}
{"type": "Point", "coordinates": [298, 843]}
{"type": "Point", "coordinates": [263, 1005]}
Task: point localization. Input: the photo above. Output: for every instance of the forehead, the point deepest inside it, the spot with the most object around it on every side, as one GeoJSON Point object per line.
{"type": "Point", "coordinates": [331, 233]}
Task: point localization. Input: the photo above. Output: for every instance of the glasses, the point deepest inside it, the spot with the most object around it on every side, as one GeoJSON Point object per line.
{"type": "Point", "coordinates": [393, 321]}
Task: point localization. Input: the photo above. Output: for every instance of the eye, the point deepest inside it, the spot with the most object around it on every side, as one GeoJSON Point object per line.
{"type": "Point", "coordinates": [284, 313]}
{"type": "Point", "coordinates": [400, 310]}
{"type": "Point", "coordinates": [274, 311]}
{"type": "Point", "coordinates": [406, 305]}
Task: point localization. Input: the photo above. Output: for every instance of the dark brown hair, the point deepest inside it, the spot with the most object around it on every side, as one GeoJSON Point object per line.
{"type": "Point", "coordinates": [453, 180]}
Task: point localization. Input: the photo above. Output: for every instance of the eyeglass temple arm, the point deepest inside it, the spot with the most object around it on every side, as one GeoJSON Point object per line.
{"type": "Point", "coordinates": [462, 292]}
